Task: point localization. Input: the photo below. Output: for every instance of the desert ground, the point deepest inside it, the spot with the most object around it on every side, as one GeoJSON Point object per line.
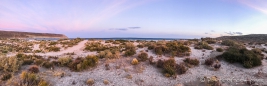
{"type": "Point", "coordinates": [119, 70]}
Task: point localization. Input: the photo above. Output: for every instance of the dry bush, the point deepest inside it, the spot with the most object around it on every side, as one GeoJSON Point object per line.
{"type": "Point", "coordinates": [151, 60]}
{"type": "Point", "coordinates": [106, 82]}
{"type": "Point", "coordinates": [38, 61]}
{"type": "Point", "coordinates": [160, 63]}
{"type": "Point", "coordinates": [143, 56]}
{"type": "Point", "coordinates": [90, 82]}
{"type": "Point", "coordinates": [181, 69]}
{"type": "Point", "coordinates": [130, 52]}
{"type": "Point", "coordinates": [192, 61]}
{"type": "Point", "coordinates": [169, 66]}
{"type": "Point", "coordinates": [219, 49]}
{"type": "Point", "coordinates": [209, 61]}
{"type": "Point", "coordinates": [129, 76]}
{"type": "Point", "coordinates": [28, 78]}
{"type": "Point", "coordinates": [9, 64]}
{"type": "Point", "coordinates": [134, 61]}
{"type": "Point", "coordinates": [64, 61]}
{"type": "Point", "coordinates": [6, 76]}
{"type": "Point", "coordinates": [34, 69]}
{"type": "Point", "coordinates": [43, 83]}
{"type": "Point", "coordinates": [48, 64]}
{"type": "Point", "coordinates": [27, 62]}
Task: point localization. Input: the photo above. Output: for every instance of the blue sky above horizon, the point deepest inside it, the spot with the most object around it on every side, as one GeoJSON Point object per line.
{"type": "Point", "coordinates": [136, 18]}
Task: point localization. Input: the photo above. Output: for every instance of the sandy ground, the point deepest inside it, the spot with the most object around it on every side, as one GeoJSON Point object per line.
{"type": "Point", "coordinates": [145, 74]}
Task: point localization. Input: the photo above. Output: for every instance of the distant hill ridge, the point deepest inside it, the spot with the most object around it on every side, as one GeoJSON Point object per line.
{"type": "Point", "coordinates": [17, 34]}
{"type": "Point", "coordinates": [247, 38]}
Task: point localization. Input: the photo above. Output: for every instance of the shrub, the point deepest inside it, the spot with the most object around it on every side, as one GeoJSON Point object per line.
{"type": "Point", "coordinates": [89, 61]}
{"type": "Point", "coordinates": [160, 63]}
{"type": "Point", "coordinates": [43, 83]}
{"type": "Point", "coordinates": [48, 64]}
{"type": "Point", "coordinates": [134, 61]}
{"type": "Point", "coordinates": [38, 62]}
{"type": "Point", "coordinates": [9, 64]}
{"type": "Point", "coordinates": [140, 46]}
{"type": "Point", "coordinates": [34, 69]}
{"type": "Point", "coordinates": [143, 56]}
{"type": "Point", "coordinates": [152, 46]}
{"type": "Point", "coordinates": [106, 82]}
{"type": "Point", "coordinates": [101, 54]}
{"type": "Point", "coordinates": [192, 61]}
{"type": "Point", "coordinates": [181, 69]}
{"type": "Point", "coordinates": [27, 62]}
{"type": "Point", "coordinates": [64, 61]}
{"type": "Point", "coordinates": [203, 45]}
{"type": "Point", "coordinates": [169, 66]}
{"type": "Point", "coordinates": [209, 61]}
{"type": "Point", "coordinates": [53, 48]}
{"type": "Point", "coordinates": [219, 49]}
{"type": "Point", "coordinates": [130, 52]}
{"type": "Point", "coordinates": [151, 60]}
{"type": "Point", "coordinates": [90, 82]}
{"type": "Point", "coordinates": [241, 55]}
{"type": "Point", "coordinates": [6, 76]}
{"type": "Point", "coordinates": [217, 65]}
{"type": "Point", "coordinates": [158, 50]}
{"type": "Point", "coordinates": [28, 79]}
{"type": "Point", "coordinates": [229, 42]}
{"type": "Point", "coordinates": [74, 64]}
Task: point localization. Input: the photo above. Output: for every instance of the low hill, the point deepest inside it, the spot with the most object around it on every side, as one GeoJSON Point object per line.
{"type": "Point", "coordinates": [259, 38]}
{"type": "Point", "coordinates": [17, 34]}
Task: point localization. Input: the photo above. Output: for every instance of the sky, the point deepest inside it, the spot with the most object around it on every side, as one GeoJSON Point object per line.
{"type": "Point", "coordinates": [135, 18]}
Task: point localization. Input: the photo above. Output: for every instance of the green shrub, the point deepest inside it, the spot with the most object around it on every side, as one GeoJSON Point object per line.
{"type": "Point", "coordinates": [241, 55]}
{"type": "Point", "coordinates": [192, 61]}
{"type": "Point", "coordinates": [74, 64]}
{"type": "Point", "coordinates": [143, 56]}
{"type": "Point", "coordinates": [219, 49]}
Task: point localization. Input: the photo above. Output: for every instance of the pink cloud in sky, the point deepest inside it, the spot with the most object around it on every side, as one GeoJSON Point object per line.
{"type": "Point", "coordinates": [259, 5]}
{"type": "Point", "coordinates": [43, 16]}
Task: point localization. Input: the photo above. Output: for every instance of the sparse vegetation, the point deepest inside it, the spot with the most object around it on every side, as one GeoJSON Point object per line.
{"type": "Point", "coordinates": [134, 61]}
{"type": "Point", "coordinates": [219, 49]}
{"type": "Point", "coordinates": [192, 61]}
{"type": "Point", "coordinates": [143, 56]}
{"type": "Point", "coordinates": [34, 69]}
{"type": "Point", "coordinates": [241, 55]}
{"type": "Point", "coordinates": [6, 76]}
{"type": "Point", "coordinates": [203, 45]}
{"type": "Point", "coordinates": [209, 61]}
{"type": "Point", "coordinates": [9, 64]}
